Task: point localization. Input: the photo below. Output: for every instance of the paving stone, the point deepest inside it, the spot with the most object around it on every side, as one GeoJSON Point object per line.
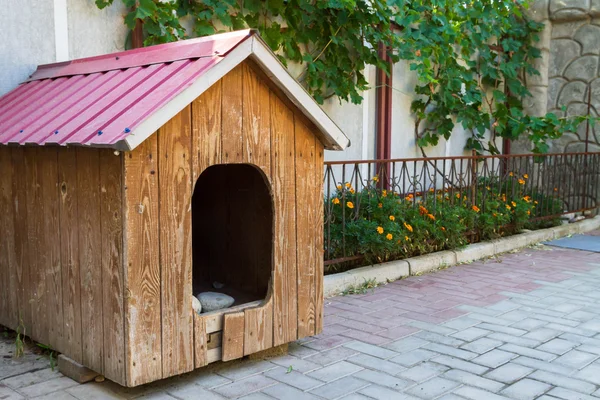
{"type": "Point", "coordinates": [423, 372]}
{"type": "Point", "coordinates": [111, 391]}
{"type": "Point", "coordinates": [242, 387]}
{"type": "Point", "coordinates": [406, 344]}
{"type": "Point", "coordinates": [502, 329]}
{"type": "Point", "coordinates": [53, 385]}
{"type": "Point", "coordinates": [494, 321]}
{"type": "Point", "coordinates": [437, 338]}
{"type": "Point", "coordinates": [297, 350]}
{"type": "Point", "coordinates": [383, 379]}
{"type": "Point", "coordinates": [356, 396]}
{"type": "Point", "coordinates": [426, 326]}
{"type": "Point", "coordinates": [460, 364]}
{"type": "Point", "coordinates": [528, 324]}
{"type": "Point", "coordinates": [581, 315]}
{"type": "Point", "coordinates": [245, 369]}
{"type": "Point", "coordinates": [296, 363]}
{"type": "Point", "coordinates": [255, 396]}
{"type": "Point", "coordinates": [451, 396]}
{"type": "Point", "coordinates": [542, 334]}
{"type": "Point", "coordinates": [293, 378]}
{"type": "Point", "coordinates": [593, 325]}
{"type": "Point", "coordinates": [433, 388]}
{"type": "Point", "coordinates": [62, 395]}
{"type": "Point", "coordinates": [527, 352]}
{"type": "Point", "coordinates": [526, 389]}
{"type": "Point", "coordinates": [591, 373]}
{"type": "Point", "coordinates": [482, 345]}
{"type": "Point", "coordinates": [7, 393]}
{"type": "Point", "coordinates": [370, 349]}
{"type": "Point", "coordinates": [509, 373]}
{"type": "Point", "coordinates": [339, 388]}
{"type": "Point", "coordinates": [518, 340]}
{"type": "Point", "coordinates": [331, 356]}
{"type": "Point", "coordinates": [461, 323]}
{"type": "Point", "coordinates": [566, 394]}
{"type": "Point", "coordinates": [472, 393]}
{"type": "Point", "coordinates": [569, 329]}
{"type": "Point", "coordinates": [470, 334]}
{"type": "Point", "coordinates": [563, 381]}
{"type": "Point", "coordinates": [413, 357]}
{"type": "Point", "coordinates": [479, 310]}
{"type": "Point", "coordinates": [450, 351]}
{"type": "Point", "coordinates": [383, 393]}
{"type": "Point", "coordinates": [377, 364]}
{"type": "Point", "coordinates": [285, 392]}
{"type": "Point", "coordinates": [473, 380]}
{"type": "Point", "coordinates": [31, 378]}
{"type": "Point", "coordinates": [494, 358]}
{"type": "Point", "coordinates": [576, 359]}
{"type": "Point", "coordinates": [210, 380]}
{"type": "Point", "coordinates": [335, 371]}
{"type": "Point", "coordinates": [543, 365]}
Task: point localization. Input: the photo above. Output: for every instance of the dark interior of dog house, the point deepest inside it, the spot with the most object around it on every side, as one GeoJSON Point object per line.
{"type": "Point", "coordinates": [232, 232]}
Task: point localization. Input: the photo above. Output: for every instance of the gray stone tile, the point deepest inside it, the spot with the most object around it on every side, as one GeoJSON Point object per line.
{"type": "Point", "coordinates": [256, 396]}
{"type": "Point", "coordinates": [331, 356]}
{"type": "Point", "coordinates": [356, 396]}
{"type": "Point", "coordinates": [472, 393]}
{"type": "Point", "coordinates": [515, 316]}
{"type": "Point", "coordinates": [382, 379]}
{"type": "Point", "coordinates": [494, 358]}
{"type": "Point", "coordinates": [527, 352]}
{"type": "Point", "coordinates": [406, 344]}
{"type": "Point", "coordinates": [526, 389]}
{"type": "Point", "coordinates": [62, 395]}
{"type": "Point", "coordinates": [7, 393]}
{"type": "Point", "coordinates": [377, 364]}
{"type": "Point", "coordinates": [413, 357]}
{"type": "Point", "coordinates": [557, 346]}
{"type": "Point", "coordinates": [529, 324]}
{"type": "Point", "coordinates": [590, 373]}
{"type": "Point", "coordinates": [482, 345]}
{"type": "Point", "coordinates": [244, 369]}
{"type": "Point", "coordinates": [563, 381]}
{"type": "Point", "coordinates": [53, 385]}
{"type": "Point", "coordinates": [569, 329]}
{"type": "Point", "coordinates": [335, 371]}
{"type": "Point", "coordinates": [518, 340]}
{"type": "Point", "coordinates": [210, 380]}
{"type": "Point", "coordinates": [566, 394]}
{"type": "Point", "coordinates": [502, 329]}
{"type": "Point", "coordinates": [542, 334]}
{"type": "Point", "coordinates": [576, 359]}
{"type": "Point", "coordinates": [461, 323]}
{"type": "Point", "coordinates": [494, 321]}
{"type": "Point", "coordinates": [470, 334]}
{"type": "Point", "coordinates": [433, 388]}
{"type": "Point", "coordinates": [460, 364]}
{"type": "Point", "coordinates": [297, 350]}
{"type": "Point", "coordinates": [450, 351]}
{"type": "Point", "coordinates": [437, 338]}
{"type": "Point", "coordinates": [509, 373]}
{"type": "Point", "coordinates": [426, 326]}
{"type": "Point", "coordinates": [375, 351]}
{"type": "Point", "coordinates": [504, 306]}
{"type": "Point", "coordinates": [293, 378]}
{"type": "Point", "coordinates": [31, 378]}
{"type": "Point", "coordinates": [285, 392]}
{"type": "Point", "coordinates": [543, 365]}
{"type": "Point", "coordinates": [296, 363]}
{"type": "Point", "coordinates": [339, 388]}
{"type": "Point", "coordinates": [241, 387]}
{"type": "Point", "coordinates": [383, 393]}
{"type": "Point", "coordinates": [592, 325]}
{"type": "Point", "coordinates": [473, 380]}
{"type": "Point", "coordinates": [423, 371]}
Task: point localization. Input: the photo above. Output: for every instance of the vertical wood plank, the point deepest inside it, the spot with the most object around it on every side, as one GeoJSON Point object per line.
{"type": "Point", "coordinates": [284, 193]}
{"type": "Point", "coordinates": [8, 273]}
{"type": "Point", "coordinates": [50, 245]}
{"type": "Point", "coordinates": [258, 328]}
{"type": "Point", "coordinates": [90, 260]}
{"type": "Point", "coordinates": [200, 349]}
{"type": "Point", "coordinates": [112, 264]}
{"type": "Point", "coordinates": [206, 130]}
{"type": "Point", "coordinates": [256, 121]}
{"type": "Point", "coordinates": [232, 138]}
{"type": "Point", "coordinates": [174, 144]}
{"type": "Point", "coordinates": [69, 252]}
{"type": "Point", "coordinates": [233, 336]}
{"type": "Point", "coordinates": [306, 203]}
{"type": "Point", "coordinates": [142, 267]}
{"type": "Point", "coordinates": [36, 294]}
{"type": "Point", "coordinates": [318, 229]}
{"type": "Point", "coordinates": [22, 251]}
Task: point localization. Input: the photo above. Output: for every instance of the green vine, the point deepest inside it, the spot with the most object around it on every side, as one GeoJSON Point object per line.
{"type": "Point", "coordinates": [472, 58]}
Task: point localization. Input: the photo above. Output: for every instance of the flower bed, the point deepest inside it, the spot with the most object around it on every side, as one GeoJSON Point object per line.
{"type": "Point", "coordinates": [378, 225]}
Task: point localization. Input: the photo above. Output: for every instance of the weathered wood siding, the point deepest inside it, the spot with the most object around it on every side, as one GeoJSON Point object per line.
{"type": "Point", "coordinates": [240, 119]}
{"type": "Point", "coordinates": [61, 252]}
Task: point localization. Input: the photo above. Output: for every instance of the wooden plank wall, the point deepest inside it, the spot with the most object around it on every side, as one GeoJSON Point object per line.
{"type": "Point", "coordinates": [61, 258]}
{"type": "Point", "coordinates": [240, 119]}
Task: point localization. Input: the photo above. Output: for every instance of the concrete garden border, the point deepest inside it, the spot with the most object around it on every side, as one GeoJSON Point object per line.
{"type": "Point", "coordinates": [335, 284]}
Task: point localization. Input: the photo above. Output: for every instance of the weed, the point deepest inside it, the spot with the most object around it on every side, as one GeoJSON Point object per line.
{"type": "Point", "coordinates": [363, 288]}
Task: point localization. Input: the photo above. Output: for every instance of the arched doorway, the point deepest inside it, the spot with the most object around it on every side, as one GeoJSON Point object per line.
{"type": "Point", "coordinates": [232, 232]}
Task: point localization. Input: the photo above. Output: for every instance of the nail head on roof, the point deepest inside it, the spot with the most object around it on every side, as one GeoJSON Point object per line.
{"type": "Point", "coordinates": [99, 133]}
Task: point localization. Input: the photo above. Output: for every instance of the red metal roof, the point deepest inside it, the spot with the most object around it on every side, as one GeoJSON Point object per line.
{"type": "Point", "coordinates": [99, 101]}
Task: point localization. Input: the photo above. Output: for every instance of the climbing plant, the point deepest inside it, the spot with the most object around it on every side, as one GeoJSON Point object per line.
{"type": "Point", "coordinates": [472, 58]}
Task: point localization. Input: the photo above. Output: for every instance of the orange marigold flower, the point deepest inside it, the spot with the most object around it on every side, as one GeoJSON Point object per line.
{"type": "Point", "coordinates": [556, 189]}
{"type": "Point", "coordinates": [335, 200]}
{"type": "Point", "coordinates": [389, 236]}
{"type": "Point", "coordinates": [528, 212]}
{"type": "Point", "coordinates": [494, 214]}
{"type": "Point", "coordinates": [431, 190]}
{"type": "Point", "coordinates": [507, 207]}
{"type": "Point", "coordinates": [380, 205]}
{"type": "Point", "coordinates": [488, 188]}
{"type": "Point", "coordinates": [458, 195]}
{"type": "Point", "coordinates": [350, 204]}
{"type": "Point", "coordinates": [339, 187]}
{"type": "Point", "coordinates": [521, 182]}
{"type": "Point", "coordinates": [375, 178]}
{"type": "Point", "coordinates": [423, 210]}
{"type": "Point", "coordinates": [511, 174]}
{"type": "Point", "coordinates": [535, 202]}
{"type": "Point", "coordinates": [384, 193]}
{"type": "Point", "coordinates": [351, 191]}
{"type": "Point", "coordinates": [527, 199]}
{"type": "Point", "coordinates": [443, 229]}
{"type": "Point", "coordinates": [513, 203]}
{"type": "Point", "coordinates": [406, 238]}
{"type": "Point", "coordinates": [348, 185]}
{"type": "Point", "coordinates": [431, 217]}
{"type": "Point", "coordinates": [392, 218]}
{"type": "Point", "coordinates": [407, 226]}
{"type": "Point", "coordinates": [475, 208]}
{"type": "Point", "coordinates": [380, 230]}
{"type": "Point", "coordinates": [525, 176]}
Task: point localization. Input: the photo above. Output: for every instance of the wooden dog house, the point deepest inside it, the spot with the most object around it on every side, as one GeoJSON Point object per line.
{"type": "Point", "coordinates": [129, 181]}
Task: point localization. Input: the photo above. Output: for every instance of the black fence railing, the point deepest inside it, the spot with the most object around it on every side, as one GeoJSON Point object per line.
{"type": "Point", "coordinates": [499, 193]}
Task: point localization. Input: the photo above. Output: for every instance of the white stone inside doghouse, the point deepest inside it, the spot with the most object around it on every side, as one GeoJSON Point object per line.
{"type": "Point", "coordinates": [212, 301]}
{"type": "Point", "coordinates": [196, 305]}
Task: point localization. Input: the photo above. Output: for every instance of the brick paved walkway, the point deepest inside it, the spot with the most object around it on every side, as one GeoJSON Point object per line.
{"type": "Point", "coordinates": [524, 326]}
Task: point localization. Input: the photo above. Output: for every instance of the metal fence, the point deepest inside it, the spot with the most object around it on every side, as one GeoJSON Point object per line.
{"type": "Point", "coordinates": [562, 183]}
